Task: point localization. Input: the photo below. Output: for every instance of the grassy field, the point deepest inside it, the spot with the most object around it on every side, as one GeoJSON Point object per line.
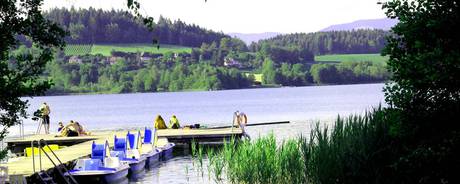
{"type": "Point", "coordinates": [257, 77]}
{"type": "Point", "coordinates": [77, 49]}
{"type": "Point", "coordinates": [351, 57]}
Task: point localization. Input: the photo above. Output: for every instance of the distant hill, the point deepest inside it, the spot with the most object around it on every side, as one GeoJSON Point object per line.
{"type": "Point", "coordinates": [253, 37]}
{"type": "Point", "coordinates": [383, 23]}
{"type": "Point", "coordinates": [97, 26]}
{"type": "Point", "coordinates": [362, 41]}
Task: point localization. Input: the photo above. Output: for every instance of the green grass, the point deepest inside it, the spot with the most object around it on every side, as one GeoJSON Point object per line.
{"type": "Point", "coordinates": [257, 76]}
{"type": "Point", "coordinates": [77, 49]}
{"type": "Point", "coordinates": [351, 57]}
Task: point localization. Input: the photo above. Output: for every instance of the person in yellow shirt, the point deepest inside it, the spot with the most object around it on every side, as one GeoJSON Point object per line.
{"type": "Point", "coordinates": [174, 122]}
{"type": "Point", "coordinates": [160, 123]}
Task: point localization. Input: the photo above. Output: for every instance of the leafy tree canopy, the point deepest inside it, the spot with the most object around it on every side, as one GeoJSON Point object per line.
{"type": "Point", "coordinates": [19, 73]}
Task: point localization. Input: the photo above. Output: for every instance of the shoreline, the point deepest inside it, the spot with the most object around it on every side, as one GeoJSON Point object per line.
{"type": "Point", "coordinates": [199, 90]}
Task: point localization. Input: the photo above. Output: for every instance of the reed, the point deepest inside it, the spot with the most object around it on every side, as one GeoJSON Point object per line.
{"type": "Point", "coordinates": [349, 152]}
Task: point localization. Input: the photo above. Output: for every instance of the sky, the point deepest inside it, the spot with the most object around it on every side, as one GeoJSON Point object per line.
{"type": "Point", "coordinates": [246, 16]}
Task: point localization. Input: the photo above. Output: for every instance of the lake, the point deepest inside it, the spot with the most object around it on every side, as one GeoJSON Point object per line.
{"type": "Point", "coordinates": [303, 106]}
{"type": "Point", "coordinates": [113, 111]}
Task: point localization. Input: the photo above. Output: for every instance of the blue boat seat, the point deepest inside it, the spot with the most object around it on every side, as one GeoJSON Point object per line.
{"type": "Point", "coordinates": [131, 140]}
{"type": "Point", "coordinates": [148, 135]}
{"type": "Point", "coordinates": [98, 151]}
{"type": "Point", "coordinates": [119, 144]}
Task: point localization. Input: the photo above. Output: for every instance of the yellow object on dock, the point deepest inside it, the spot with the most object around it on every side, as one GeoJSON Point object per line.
{"type": "Point", "coordinates": [52, 147]}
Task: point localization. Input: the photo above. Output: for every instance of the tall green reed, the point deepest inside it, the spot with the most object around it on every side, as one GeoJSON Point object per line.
{"type": "Point", "coordinates": [352, 151]}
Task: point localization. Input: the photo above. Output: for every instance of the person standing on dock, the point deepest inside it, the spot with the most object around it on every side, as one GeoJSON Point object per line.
{"type": "Point", "coordinates": [240, 119]}
{"type": "Point", "coordinates": [45, 110]}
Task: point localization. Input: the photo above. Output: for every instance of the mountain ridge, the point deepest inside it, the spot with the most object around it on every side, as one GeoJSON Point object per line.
{"type": "Point", "coordinates": [383, 23]}
{"type": "Point", "coordinates": [248, 38]}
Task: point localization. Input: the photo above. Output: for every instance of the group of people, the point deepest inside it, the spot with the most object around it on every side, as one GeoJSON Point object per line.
{"type": "Point", "coordinates": [72, 129]}
{"type": "Point", "coordinates": [160, 123]}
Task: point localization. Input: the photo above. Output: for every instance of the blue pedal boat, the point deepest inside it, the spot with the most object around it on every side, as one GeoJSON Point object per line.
{"type": "Point", "coordinates": [126, 149]}
{"type": "Point", "coordinates": [100, 168]}
{"type": "Point", "coordinates": [149, 150]}
{"type": "Point", "coordinates": [166, 151]}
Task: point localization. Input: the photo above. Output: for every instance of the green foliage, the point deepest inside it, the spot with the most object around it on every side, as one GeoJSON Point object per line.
{"type": "Point", "coordinates": [355, 150]}
{"type": "Point", "coordinates": [130, 75]}
{"type": "Point", "coordinates": [92, 26]}
{"type": "Point", "coordinates": [334, 42]}
{"type": "Point", "coordinates": [348, 72]}
{"type": "Point", "coordinates": [269, 72]}
{"type": "Point", "coordinates": [424, 57]}
{"type": "Point", "coordinates": [20, 71]}
{"type": "Point", "coordinates": [351, 58]}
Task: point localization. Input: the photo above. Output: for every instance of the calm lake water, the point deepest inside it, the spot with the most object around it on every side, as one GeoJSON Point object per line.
{"type": "Point", "coordinates": [303, 106]}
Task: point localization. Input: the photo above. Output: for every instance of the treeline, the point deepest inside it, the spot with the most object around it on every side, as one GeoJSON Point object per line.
{"type": "Point", "coordinates": [324, 73]}
{"type": "Point", "coordinates": [349, 73]}
{"type": "Point", "coordinates": [334, 42]}
{"type": "Point", "coordinates": [90, 26]}
{"type": "Point", "coordinates": [95, 74]}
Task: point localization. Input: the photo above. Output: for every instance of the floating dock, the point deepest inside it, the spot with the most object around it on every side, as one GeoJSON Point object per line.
{"type": "Point", "coordinates": [72, 148]}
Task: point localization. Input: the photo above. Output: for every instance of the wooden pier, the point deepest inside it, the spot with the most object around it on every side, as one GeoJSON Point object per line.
{"type": "Point", "coordinates": [79, 147]}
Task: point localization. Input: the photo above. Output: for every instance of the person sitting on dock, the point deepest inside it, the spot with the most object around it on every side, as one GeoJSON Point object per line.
{"type": "Point", "coordinates": [60, 126]}
{"type": "Point", "coordinates": [174, 122]}
{"type": "Point", "coordinates": [160, 123]}
{"type": "Point", "coordinates": [81, 130]}
{"type": "Point", "coordinates": [70, 130]}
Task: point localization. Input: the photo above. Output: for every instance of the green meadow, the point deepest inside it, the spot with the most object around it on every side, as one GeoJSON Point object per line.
{"type": "Point", "coordinates": [83, 49]}
{"type": "Point", "coordinates": [351, 57]}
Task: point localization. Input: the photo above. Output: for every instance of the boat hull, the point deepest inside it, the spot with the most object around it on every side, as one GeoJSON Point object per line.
{"type": "Point", "coordinates": [116, 177]}
{"type": "Point", "coordinates": [152, 159]}
{"type": "Point", "coordinates": [167, 151]}
{"type": "Point", "coordinates": [136, 168]}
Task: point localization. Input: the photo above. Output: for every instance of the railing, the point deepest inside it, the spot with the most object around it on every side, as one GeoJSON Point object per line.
{"type": "Point", "coordinates": [59, 163]}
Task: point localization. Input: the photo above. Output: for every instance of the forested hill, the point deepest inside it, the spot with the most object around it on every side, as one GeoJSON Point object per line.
{"type": "Point", "coordinates": [91, 26]}
{"type": "Point", "coordinates": [334, 42]}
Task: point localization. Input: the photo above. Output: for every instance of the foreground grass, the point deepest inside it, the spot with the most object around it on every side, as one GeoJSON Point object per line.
{"type": "Point", "coordinates": [351, 152]}
{"type": "Point", "coordinates": [83, 49]}
{"type": "Point", "coordinates": [351, 57]}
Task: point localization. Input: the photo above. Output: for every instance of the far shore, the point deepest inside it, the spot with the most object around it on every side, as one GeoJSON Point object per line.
{"type": "Point", "coordinates": [201, 90]}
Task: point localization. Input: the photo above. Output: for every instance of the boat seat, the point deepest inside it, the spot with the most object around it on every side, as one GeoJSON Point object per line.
{"type": "Point", "coordinates": [146, 148]}
{"type": "Point", "coordinates": [118, 154]}
{"type": "Point", "coordinates": [111, 162]}
{"type": "Point", "coordinates": [148, 135]}
{"type": "Point", "coordinates": [119, 144]}
{"type": "Point", "coordinates": [98, 151]}
{"type": "Point", "coordinates": [88, 164]}
{"type": "Point", "coordinates": [133, 153]}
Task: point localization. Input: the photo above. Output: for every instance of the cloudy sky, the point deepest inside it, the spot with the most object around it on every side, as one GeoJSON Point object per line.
{"type": "Point", "coordinates": [247, 16]}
